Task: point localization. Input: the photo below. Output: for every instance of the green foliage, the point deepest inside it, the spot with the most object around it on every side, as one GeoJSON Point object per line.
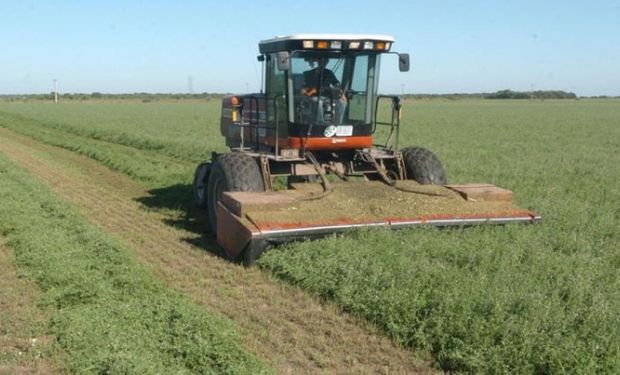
{"type": "Point", "coordinates": [98, 96]}
{"type": "Point", "coordinates": [184, 130]}
{"type": "Point", "coordinates": [509, 94]}
{"type": "Point", "coordinates": [159, 147]}
{"type": "Point", "coordinates": [111, 315]}
{"type": "Point", "coordinates": [142, 165]}
{"type": "Point", "coordinates": [541, 298]}
{"type": "Point", "coordinates": [480, 300]}
{"type": "Point", "coordinates": [502, 94]}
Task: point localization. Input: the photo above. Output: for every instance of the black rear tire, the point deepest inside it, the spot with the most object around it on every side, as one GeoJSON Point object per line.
{"type": "Point", "coordinates": [423, 166]}
{"type": "Point", "coordinates": [201, 178]}
{"type": "Point", "coordinates": [233, 171]}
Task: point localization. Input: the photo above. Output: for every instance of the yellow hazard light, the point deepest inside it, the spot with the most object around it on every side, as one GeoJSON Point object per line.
{"type": "Point", "coordinates": [308, 44]}
{"type": "Point", "coordinates": [380, 45]}
{"type": "Point", "coordinates": [322, 44]}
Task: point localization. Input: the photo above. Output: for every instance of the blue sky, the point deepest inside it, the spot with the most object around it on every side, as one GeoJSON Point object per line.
{"type": "Point", "coordinates": [456, 46]}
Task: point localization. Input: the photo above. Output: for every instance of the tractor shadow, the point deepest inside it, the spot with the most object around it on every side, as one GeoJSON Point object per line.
{"type": "Point", "coordinates": [176, 204]}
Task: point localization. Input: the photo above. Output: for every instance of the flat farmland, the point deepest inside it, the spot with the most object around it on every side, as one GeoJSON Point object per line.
{"type": "Point", "coordinates": [542, 298]}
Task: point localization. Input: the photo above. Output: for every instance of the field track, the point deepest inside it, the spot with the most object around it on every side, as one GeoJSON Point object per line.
{"type": "Point", "coordinates": [287, 328]}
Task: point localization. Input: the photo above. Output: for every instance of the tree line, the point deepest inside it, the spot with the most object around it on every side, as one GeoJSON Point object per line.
{"type": "Point", "coordinates": [502, 94]}
{"type": "Point", "coordinates": [143, 96]}
{"type": "Point", "coordinates": [149, 97]}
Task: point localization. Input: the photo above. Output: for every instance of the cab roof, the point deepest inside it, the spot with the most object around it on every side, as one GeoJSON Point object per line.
{"type": "Point", "coordinates": [332, 41]}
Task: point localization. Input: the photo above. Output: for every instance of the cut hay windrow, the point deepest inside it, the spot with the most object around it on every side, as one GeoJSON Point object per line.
{"type": "Point", "coordinates": [109, 314]}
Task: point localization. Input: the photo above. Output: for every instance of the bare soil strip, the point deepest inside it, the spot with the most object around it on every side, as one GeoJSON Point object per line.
{"type": "Point", "coordinates": [25, 347]}
{"type": "Point", "coordinates": [292, 331]}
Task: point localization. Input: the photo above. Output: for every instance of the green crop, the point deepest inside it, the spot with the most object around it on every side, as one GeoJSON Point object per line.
{"type": "Point", "coordinates": [542, 298]}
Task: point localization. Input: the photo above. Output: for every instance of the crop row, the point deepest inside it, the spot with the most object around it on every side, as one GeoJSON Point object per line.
{"type": "Point", "coordinates": [109, 314]}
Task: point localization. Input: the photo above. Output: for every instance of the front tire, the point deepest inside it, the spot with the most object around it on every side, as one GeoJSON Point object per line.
{"type": "Point", "coordinates": [233, 171]}
{"type": "Point", "coordinates": [423, 166]}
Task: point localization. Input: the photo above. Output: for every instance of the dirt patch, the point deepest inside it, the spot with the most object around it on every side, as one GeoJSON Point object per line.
{"type": "Point", "coordinates": [292, 331]}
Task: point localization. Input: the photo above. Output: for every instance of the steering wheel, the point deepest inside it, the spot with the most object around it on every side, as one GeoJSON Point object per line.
{"type": "Point", "coordinates": [331, 92]}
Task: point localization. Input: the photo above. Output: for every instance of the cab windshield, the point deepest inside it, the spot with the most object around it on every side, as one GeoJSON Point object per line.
{"type": "Point", "coordinates": [332, 89]}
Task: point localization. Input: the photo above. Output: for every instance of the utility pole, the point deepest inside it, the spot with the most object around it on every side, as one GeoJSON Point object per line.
{"type": "Point", "coordinates": [55, 91]}
{"type": "Point", "coordinates": [190, 84]}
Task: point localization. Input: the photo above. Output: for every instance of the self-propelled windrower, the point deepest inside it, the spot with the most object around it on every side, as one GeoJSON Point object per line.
{"type": "Point", "coordinates": [313, 125]}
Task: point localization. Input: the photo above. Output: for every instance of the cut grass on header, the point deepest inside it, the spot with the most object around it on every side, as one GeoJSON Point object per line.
{"type": "Point", "coordinates": [109, 314]}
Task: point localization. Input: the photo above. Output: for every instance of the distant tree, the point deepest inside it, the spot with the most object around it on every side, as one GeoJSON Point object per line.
{"type": "Point", "coordinates": [550, 94]}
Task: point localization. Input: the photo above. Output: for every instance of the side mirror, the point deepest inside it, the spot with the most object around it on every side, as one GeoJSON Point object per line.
{"type": "Point", "coordinates": [403, 62]}
{"type": "Point", "coordinates": [283, 60]}
{"type": "Point", "coordinates": [260, 58]}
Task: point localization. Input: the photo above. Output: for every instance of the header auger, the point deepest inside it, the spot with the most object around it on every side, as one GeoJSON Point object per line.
{"type": "Point", "coordinates": [311, 131]}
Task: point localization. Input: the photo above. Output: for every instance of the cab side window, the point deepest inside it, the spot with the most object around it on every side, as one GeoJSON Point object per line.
{"type": "Point", "coordinates": [276, 93]}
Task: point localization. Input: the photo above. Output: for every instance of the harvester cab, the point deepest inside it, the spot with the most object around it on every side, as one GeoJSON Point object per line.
{"type": "Point", "coordinates": [312, 126]}
{"type": "Point", "coordinates": [320, 94]}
